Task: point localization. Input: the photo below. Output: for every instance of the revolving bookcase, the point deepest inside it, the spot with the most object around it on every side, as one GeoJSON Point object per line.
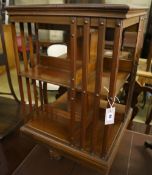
{"type": "Point", "coordinates": [74, 124]}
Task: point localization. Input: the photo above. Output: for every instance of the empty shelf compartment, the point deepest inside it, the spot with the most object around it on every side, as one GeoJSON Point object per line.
{"type": "Point", "coordinates": [62, 108]}
{"type": "Point", "coordinates": [121, 79]}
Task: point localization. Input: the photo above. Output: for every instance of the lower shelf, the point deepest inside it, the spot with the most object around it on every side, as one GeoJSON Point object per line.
{"type": "Point", "coordinates": [48, 131]}
{"type": "Point", "coordinates": [49, 127]}
{"type": "Point", "coordinates": [55, 119]}
{"type": "Point", "coordinates": [61, 107]}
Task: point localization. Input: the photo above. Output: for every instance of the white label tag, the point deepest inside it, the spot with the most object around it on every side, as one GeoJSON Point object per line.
{"type": "Point", "coordinates": [110, 116]}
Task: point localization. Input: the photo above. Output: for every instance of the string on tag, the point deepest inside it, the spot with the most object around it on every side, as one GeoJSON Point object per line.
{"type": "Point", "coordinates": [115, 98]}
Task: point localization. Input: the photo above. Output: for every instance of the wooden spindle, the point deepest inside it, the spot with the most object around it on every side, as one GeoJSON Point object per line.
{"type": "Point", "coordinates": [30, 40]}
{"type": "Point", "coordinates": [17, 62]}
{"type": "Point", "coordinates": [38, 61]}
{"type": "Point", "coordinates": [23, 40]}
{"type": "Point", "coordinates": [25, 59]}
{"type": "Point", "coordinates": [41, 94]}
{"type": "Point", "coordinates": [73, 51]}
{"type": "Point", "coordinates": [29, 93]}
{"type": "Point", "coordinates": [37, 44]}
{"type": "Point", "coordinates": [32, 62]}
{"type": "Point", "coordinates": [85, 61]}
{"type": "Point", "coordinates": [35, 94]}
{"type": "Point", "coordinates": [15, 46]}
{"type": "Point", "coordinates": [98, 80]}
{"type": "Point", "coordinates": [113, 79]}
{"type": "Point", "coordinates": [45, 95]}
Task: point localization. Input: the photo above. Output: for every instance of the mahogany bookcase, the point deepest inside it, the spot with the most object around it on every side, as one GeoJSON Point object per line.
{"type": "Point", "coordinates": [74, 124]}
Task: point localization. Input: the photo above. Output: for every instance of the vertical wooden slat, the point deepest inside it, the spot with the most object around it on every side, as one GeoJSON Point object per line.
{"type": "Point", "coordinates": [113, 79]}
{"type": "Point", "coordinates": [32, 62]}
{"type": "Point", "coordinates": [73, 52]}
{"type": "Point", "coordinates": [37, 44]}
{"type": "Point", "coordinates": [45, 95]}
{"type": "Point", "coordinates": [115, 61]}
{"type": "Point", "coordinates": [18, 65]}
{"type": "Point", "coordinates": [29, 93]}
{"type": "Point", "coordinates": [135, 61]}
{"type": "Point", "coordinates": [98, 80]}
{"type": "Point", "coordinates": [23, 40]}
{"type": "Point", "coordinates": [17, 60]}
{"type": "Point", "coordinates": [25, 59]}
{"type": "Point", "coordinates": [38, 61]}
{"type": "Point", "coordinates": [41, 94]}
{"type": "Point", "coordinates": [35, 94]}
{"type": "Point", "coordinates": [85, 61]}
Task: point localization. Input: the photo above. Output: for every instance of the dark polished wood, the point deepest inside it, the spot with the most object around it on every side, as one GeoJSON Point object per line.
{"type": "Point", "coordinates": [74, 124]}
{"type": "Point", "coordinates": [99, 79]}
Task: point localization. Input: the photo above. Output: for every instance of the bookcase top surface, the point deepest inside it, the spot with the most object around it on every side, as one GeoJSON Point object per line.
{"type": "Point", "coordinates": [97, 10]}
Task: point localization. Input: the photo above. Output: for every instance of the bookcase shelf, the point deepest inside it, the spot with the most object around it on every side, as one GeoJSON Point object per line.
{"type": "Point", "coordinates": [48, 126]}
{"type": "Point", "coordinates": [62, 78]}
{"type": "Point", "coordinates": [54, 120]}
{"type": "Point", "coordinates": [44, 73]}
{"type": "Point", "coordinates": [121, 79]}
{"type": "Point", "coordinates": [61, 107]}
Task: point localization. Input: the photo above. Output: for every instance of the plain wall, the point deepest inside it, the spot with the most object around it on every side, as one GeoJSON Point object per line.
{"type": "Point", "coordinates": [20, 2]}
{"type": "Point", "coordinates": [133, 2]}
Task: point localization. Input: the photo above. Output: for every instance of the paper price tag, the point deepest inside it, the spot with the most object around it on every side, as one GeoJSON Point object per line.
{"type": "Point", "coordinates": [110, 116]}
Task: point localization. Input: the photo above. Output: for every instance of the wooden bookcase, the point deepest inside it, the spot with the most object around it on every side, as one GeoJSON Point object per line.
{"type": "Point", "coordinates": [74, 124]}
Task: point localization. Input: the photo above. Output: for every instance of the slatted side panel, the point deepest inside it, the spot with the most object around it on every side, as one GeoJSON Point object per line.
{"type": "Point", "coordinates": [85, 61]}
{"type": "Point", "coordinates": [18, 68]}
{"type": "Point", "coordinates": [98, 80]}
{"type": "Point", "coordinates": [41, 94]}
{"type": "Point", "coordinates": [30, 40]}
{"type": "Point", "coordinates": [112, 85]}
{"type": "Point", "coordinates": [26, 65]}
{"type": "Point", "coordinates": [32, 63]}
{"type": "Point", "coordinates": [73, 52]}
{"type": "Point", "coordinates": [37, 45]}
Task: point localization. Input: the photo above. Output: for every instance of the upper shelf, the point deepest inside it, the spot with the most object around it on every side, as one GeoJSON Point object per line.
{"type": "Point", "coordinates": [42, 13]}
{"type": "Point", "coordinates": [43, 73]}
{"type": "Point", "coordinates": [62, 77]}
